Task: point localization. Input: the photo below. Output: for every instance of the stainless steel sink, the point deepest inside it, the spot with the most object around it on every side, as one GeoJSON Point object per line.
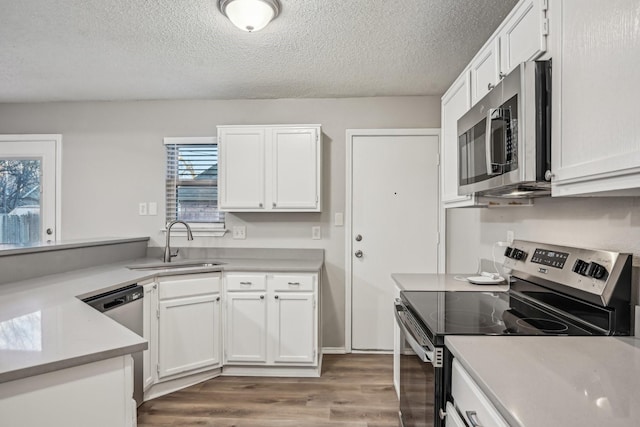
{"type": "Point", "coordinates": [174, 265]}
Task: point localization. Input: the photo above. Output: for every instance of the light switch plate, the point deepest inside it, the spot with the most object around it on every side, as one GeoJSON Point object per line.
{"type": "Point", "coordinates": [153, 208]}
{"type": "Point", "coordinates": [316, 233]}
{"type": "Point", "coordinates": [239, 232]}
{"type": "Point", "coordinates": [339, 219]}
{"type": "Point", "coordinates": [142, 209]}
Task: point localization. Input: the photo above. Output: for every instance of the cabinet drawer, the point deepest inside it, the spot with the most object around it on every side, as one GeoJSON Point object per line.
{"type": "Point", "coordinates": [189, 285]}
{"type": "Point", "coordinates": [292, 282]}
{"type": "Point", "coordinates": [471, 401]}
{"type": "Point", "coordinates": [246, 282]}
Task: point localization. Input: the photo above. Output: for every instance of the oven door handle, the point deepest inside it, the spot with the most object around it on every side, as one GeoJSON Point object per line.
{"type": "Point", "coordinates": [425, 355]}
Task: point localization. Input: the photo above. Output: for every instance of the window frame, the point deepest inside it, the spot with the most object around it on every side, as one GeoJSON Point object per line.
{"type": "Point", "coordinates": [215, 229]}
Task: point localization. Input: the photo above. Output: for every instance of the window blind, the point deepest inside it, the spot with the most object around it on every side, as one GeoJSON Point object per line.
{"type": "Point", "coordinates": [192, 180]}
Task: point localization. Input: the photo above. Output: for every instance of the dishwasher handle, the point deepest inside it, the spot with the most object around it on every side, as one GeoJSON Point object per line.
{"type": "Point", "coordinates": [424, 354]}
{"type": "Point", "coordinates": [116, 298]}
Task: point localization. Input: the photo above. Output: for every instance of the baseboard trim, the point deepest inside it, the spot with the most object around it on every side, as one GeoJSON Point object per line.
{"type": "Point", "coordinates": [372, 351]}
{"type": "Point", "coordinates": [334, 350]}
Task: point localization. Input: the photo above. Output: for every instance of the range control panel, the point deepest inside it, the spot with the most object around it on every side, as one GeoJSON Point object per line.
{"type": "Point", "coordinates": [585, 269]}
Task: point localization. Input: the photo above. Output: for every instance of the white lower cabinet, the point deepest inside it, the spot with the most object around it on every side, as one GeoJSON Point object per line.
{"type": "Point", "coordinates": [470, 402]}
{"type": "Point", "coordinates": [246, 318]}
{"type": "Point", "coordinates": [292, 325]}
{"type": "Point", "coordinates": [274, 326]}
{"type": "Point", "coordinates": [150, 332]}
{"type": "Point", "coordinates": [189, 327]}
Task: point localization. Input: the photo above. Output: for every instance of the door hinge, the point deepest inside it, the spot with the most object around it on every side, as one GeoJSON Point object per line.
{"type": "Point", "coordinates": [219, 139]}
{"type": "Point", "coordinates": [545, 27]}
{"type": "Point", "coordinates": [158, 368]}
{"type": "Point", "coordinates": [314, 303]}
{"type": "Point", "coordinates": [158, 313]}
{"type": "Point", "coordinates": [314, 354]}
{"type": "Point", "coordinates": [437, 237]}
{"type": "Point", "coordinates": [438, 159]}
{"type": "Point", "coordinates": [317, 136]}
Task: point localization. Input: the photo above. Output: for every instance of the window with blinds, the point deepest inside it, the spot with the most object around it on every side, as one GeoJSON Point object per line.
{"type": "Point", "coordinates": [192, 180]}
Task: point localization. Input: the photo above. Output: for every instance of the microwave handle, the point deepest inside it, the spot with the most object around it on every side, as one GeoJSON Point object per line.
{"type": "Point", "coordinates": [502, 114]}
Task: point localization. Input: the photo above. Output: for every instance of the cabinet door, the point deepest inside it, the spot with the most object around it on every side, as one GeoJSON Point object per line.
{"type": "Point", "coordinates": [150, 333]}
{"type": "Point", "coordinates": [189, 334]}
{"type": "Point", "coordinates": [524, 36]}
{"type": "Point", "coordinates": [296, 168]}
{"type": "Point", "coordinates": [596, 148]}
{"type": "Point", "coordinates": [246, 323]}
{"type": "Point", "coordinates": [455, 103]}
{"type": "Point", "coordinates": [241, 175]}
{"type": "Point", "coordinates": [484, 71]}
{"type": "Point", "coordinates": [292, 327]}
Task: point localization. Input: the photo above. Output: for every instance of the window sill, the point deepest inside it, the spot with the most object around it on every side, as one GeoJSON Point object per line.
{"type": "Point", "coordinates": [202, 230]}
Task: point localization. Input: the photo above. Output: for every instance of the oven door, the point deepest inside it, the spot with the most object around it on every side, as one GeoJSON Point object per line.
{"type": "Point", "coordinates": [420, 379]}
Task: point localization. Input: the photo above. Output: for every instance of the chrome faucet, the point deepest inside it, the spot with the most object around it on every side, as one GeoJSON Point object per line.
{"type": "Point", "coordinates": [167, 247]}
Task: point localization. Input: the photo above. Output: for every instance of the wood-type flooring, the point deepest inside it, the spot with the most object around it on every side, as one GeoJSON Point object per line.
{"type": "Point", "coordinates": [355, 390]}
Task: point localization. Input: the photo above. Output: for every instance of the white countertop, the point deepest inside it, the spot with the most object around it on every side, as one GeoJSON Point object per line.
{"type": "Point", "coordinates": [441, 282]}
{"type": "Point", "coordinates": [45, 327]}
{"type": "Point", "coordinates": [556, 381]}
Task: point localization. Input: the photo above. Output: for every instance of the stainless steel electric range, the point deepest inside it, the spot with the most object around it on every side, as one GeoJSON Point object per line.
{"type": "Point", "coordinates": [554, 290]}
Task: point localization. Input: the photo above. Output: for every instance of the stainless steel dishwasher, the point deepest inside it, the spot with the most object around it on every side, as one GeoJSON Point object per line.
{"type": "Point", "coordinates": [124, 305]}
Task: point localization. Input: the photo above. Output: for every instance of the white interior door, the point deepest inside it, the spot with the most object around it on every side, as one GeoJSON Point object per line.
{"type": "Point", "coordinates": [394, 226]}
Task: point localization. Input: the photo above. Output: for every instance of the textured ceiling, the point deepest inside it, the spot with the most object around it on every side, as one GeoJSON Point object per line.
{"type": "Point", "coordinates": [184, 49]}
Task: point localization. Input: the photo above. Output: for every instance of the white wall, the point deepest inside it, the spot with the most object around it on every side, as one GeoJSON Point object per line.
{"type": "Point", "coordinates": [113, 158]}
{"type": "Point", "coordinates": [601, 223]}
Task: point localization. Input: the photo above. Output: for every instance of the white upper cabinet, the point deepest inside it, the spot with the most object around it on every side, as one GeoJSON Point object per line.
{"type": "Point", "coordinates": [596, 148]}
{"type": "Point", "coordinates": [455, 103]}
{"type": "Point", "coordinates": [241, 169]}
{"type": "Point", "coordinates": [485, 71]}
{"type": "Point", "coordinates": [521, 37]}
{"type": "Point", "coordinates": [270, 168]}
{"type": "Point", "coordinates": [295, 168]}
{"type": "Point", "coordinates": [524, 34]}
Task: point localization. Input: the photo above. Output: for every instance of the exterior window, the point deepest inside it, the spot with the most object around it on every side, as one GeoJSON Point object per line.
{"type": "Point", "coordinates": [192, 182]}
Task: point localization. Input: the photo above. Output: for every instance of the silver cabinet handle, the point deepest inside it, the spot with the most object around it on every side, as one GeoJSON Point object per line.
{"type": "Point", "coordinates": [502, 75]}
{"type": "Point", "coordinates": [259, 205]}
{"type": "Point", "coordinates": [218, 299]}
{"type": "Point", "coordinates": [293, 283]}
{"type": "Point", "coordinates": [490, 86]}
{"type": "Point", "coordinates": [276, 297]}
{"type": "Point", "coordinates": [473, 418]}
{"type": "Point", "coordinates": [358, 254]}
{"type": "Point", "coordinates": [245, 283]}
{"type": "Point", "coordinates": [359, 238]}
{"type": "Point", "coordinates": [261, 296]}
{"type": "Point", "coordinates": [274, 204]}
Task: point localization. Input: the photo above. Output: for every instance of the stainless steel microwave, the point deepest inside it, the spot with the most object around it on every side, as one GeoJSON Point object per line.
{"type": "Point", "coordinates": [504, 141]}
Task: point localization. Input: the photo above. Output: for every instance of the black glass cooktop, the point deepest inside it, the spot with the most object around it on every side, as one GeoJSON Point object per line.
{"type": "Point", "coordinates": [487, 313]}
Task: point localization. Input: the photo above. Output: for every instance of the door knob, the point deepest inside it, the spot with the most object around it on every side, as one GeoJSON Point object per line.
{"type": "Point", "coordinates": [359, 238]}
{"type": "Point", "coordinates": [358, 254]}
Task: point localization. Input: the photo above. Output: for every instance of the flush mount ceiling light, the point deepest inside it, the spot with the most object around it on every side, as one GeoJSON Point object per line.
{"type": "Point", "coordinates": [249, 15]}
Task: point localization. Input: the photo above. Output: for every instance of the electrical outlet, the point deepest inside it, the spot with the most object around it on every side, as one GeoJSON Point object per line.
{"type": "Point", "coordinates": [510, 236]}
{"type": "Point", "coordinates": [142, 209]}
{"type": "Point", "coordinates": [316, 233]}
{"type": "Point", "coordinates": [239, 232]}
